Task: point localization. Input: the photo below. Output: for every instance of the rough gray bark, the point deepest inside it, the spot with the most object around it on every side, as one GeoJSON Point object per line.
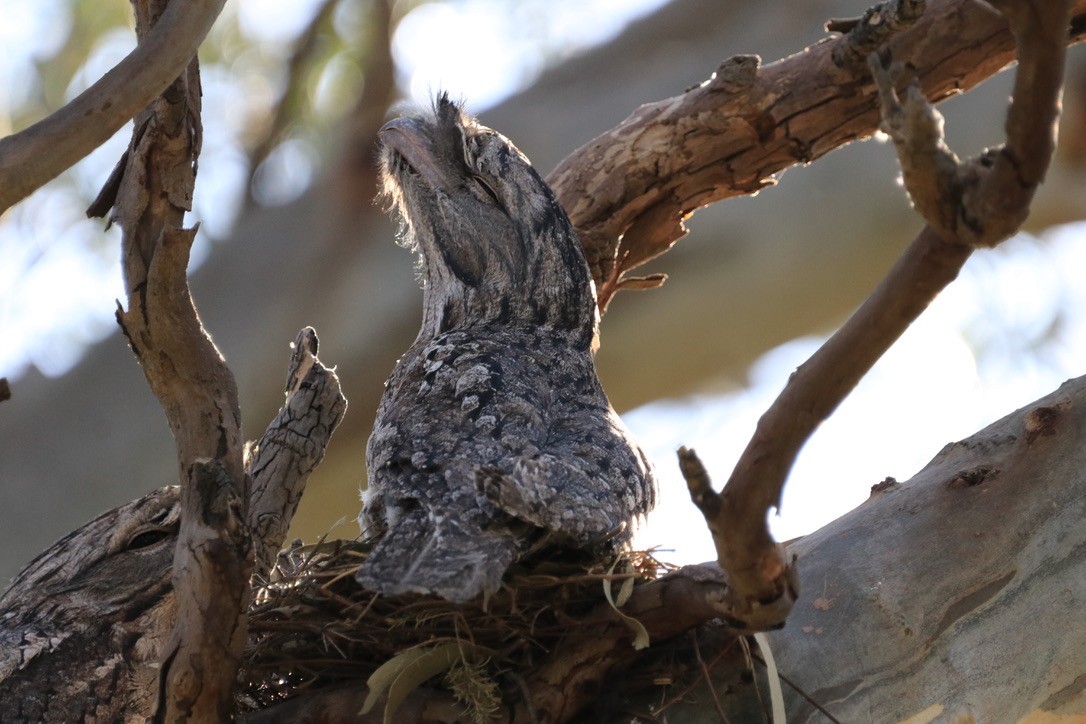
{"type": "Point", "coordinates": [84, 625]}
{"type": "Point", "coordinates": [292, 447]}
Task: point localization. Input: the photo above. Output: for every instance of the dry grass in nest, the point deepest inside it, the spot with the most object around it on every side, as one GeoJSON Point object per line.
{"type": "Point", "coordinates": [312, 625]}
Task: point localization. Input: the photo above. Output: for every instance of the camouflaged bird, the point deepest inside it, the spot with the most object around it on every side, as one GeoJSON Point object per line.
{"type": "Point", "coordinates": [494, 436]}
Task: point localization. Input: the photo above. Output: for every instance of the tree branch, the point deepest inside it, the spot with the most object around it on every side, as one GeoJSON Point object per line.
{"type": "Point", "coordinates": [1001, 189]}
{"type": "Point", "coordinates": [291, 448]}
{"type": "Point", "coordinates": [983, 201]}
{"type": "Point", "coordinates": [212, 559]}
{"type": "Point", "coordinates": [35, 155]}
{"type": "Point", "coordinates": [877, 26]}
{"type": "Point", "coordinates": [629, 189]}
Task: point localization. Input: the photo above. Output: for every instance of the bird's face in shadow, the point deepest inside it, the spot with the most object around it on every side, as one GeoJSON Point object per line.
{"type": "Point", "coordinates": [495, 246]}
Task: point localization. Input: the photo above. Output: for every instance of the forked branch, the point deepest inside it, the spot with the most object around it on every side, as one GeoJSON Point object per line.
{"type": "Point", "coordinates": [978, 202]}
{"type": "Point", "coordinates": [83, 626]}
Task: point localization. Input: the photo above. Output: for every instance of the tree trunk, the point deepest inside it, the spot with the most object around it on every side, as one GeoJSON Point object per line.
{"type": "Point", "coordinates": [955, 596]}
{"type": "Point", "coordinates": [958, 595]}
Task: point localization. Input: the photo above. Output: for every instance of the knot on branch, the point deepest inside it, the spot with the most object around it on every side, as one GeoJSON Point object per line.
{"type": "Point", "coordinates": [863, 35]}
{"type": "Point", "coordinates": [219, 502]}
{"type": "Point", "coordinates": [736, 74]}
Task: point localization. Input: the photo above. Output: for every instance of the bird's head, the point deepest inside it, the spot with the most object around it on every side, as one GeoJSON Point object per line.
{"type": "Point", "coordinates": [495, 247]}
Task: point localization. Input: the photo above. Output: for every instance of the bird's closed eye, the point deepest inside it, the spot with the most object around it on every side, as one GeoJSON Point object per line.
{"type": "Point", "coordinates": [470, 146]}
{"type": "Point", "coordinates": [147, 538]}
{"type": "Point", "coordinates": [485, 185]}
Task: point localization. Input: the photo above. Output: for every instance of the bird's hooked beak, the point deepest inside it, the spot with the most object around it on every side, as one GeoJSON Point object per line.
{"type": "Point", "coordinates": [408, 139]}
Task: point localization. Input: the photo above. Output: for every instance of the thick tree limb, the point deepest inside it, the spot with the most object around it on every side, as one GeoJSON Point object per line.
{"type": "Point", "coordinates": [992, 198]}
{"type": "Point", "coordinates": [962, 586]}
{"type": "Point", "coordinates": [32, 157]}
{"type": "Point", "coordinates": [82, 627]}
{"type": "Point", "coordinates": [629, 189]}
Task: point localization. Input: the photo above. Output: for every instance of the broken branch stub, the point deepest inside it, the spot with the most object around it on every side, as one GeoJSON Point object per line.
{"type": "Point", "coordinates": [291, 448]}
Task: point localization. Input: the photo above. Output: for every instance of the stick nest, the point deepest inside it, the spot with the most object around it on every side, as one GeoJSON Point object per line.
{"type": "Point", "coordinates": [312, 625]}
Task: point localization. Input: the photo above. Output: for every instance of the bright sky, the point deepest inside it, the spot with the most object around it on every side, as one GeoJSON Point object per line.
{"type": "Point", "coordinates": [1010, 330]}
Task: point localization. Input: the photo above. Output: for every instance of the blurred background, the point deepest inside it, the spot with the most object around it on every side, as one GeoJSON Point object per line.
{"type": "Point", "coordinates": [293, 95]}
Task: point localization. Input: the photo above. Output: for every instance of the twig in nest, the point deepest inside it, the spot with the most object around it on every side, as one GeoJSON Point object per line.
{"type": "Point", "coordinates": [706, 673]}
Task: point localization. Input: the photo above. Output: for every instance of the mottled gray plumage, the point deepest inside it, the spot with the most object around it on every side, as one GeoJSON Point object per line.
{"type": "Point", "coordinates": [494, 436]}
{"type": "Point", "coordinates": [83, 627]}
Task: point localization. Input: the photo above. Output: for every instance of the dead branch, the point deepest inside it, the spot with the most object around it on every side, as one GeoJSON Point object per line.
{"type": "Point", "coordinates": [32, 157]}
{"type": "Point", "coordinates": [990, 196]}
{"type": "Point", "coordinates": [291, 448]}
{"type": "Point", "coordinates": [629, 189]}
